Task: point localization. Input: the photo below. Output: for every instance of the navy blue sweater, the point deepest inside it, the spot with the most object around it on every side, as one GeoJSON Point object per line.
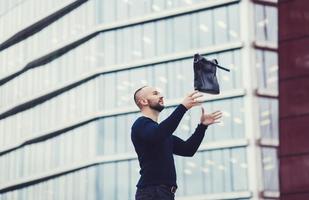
{"type": "Point", "coordinates": [155, 145]}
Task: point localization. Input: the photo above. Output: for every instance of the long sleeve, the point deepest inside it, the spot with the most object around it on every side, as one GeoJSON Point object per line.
{"type": "Point", "coordinates": [190, 146]}
{"type": "Point", "coordinates": [150, 131]}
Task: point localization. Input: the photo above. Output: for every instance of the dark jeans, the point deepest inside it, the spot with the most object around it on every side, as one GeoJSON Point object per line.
{"type": "Point", "coordinates": [154, 193]}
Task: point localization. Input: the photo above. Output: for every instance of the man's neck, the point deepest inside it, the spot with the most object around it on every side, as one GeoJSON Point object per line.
{"type": "Point", "coordinates": [150, 113]}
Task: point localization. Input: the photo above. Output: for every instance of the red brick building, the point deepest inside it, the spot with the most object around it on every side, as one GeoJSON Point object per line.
{"type": "Point", "coordinates": [294, 99]}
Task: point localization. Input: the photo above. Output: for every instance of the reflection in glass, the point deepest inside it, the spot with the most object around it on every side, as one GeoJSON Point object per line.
{"type": "Point", "coordinates": [267, 67]}
{"type": "Point", "coordinates": [270, 169]}
{"type": "Point", "coordinates": [268, 112]}
{"type": "Point", "coordinates": [266, 23]}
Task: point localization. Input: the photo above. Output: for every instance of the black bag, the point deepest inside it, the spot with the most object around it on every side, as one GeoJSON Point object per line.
{"type": "Point", "coordinates": [205, 79]}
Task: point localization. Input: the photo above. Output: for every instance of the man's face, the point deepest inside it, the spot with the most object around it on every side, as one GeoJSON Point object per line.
{"type": "Point", "coordinates": [154, 98]}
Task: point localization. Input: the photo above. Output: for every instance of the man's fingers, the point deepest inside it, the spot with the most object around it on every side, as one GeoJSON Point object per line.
{"type": "Point", "coordinates": [217, 117]}
{"type": "Point", "coordinates": [197, 102]}
{"type": "Point", "coordinates": [197, 96]}
{"type": "Point", "coordinates": [216, 114]}
{"type": "Point", "coordinates": [193, 93]}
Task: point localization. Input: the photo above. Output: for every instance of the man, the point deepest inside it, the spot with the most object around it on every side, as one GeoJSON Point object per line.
{"type": "Point", "coordinates": [155, 143]}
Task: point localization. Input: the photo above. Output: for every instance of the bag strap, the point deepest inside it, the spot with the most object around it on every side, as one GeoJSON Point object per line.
{"type": "Point", "coordinates": [198, 57]}
{"type": "Point", "coordinates": [223, 68]}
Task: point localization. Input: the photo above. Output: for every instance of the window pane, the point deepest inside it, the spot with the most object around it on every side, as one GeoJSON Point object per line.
{"type": "Point", "coordinates": [205, 29]}
{"type": "Point", "coordinates": [268, 109]}
{"type": "Point", "coordinates": [121, 134]}
{"type": "Point", "coordinates": [270, 169]}
{"type": "Point", "coordinates": [134, 176]}
{"type": "Point", "coordinates": [122, 180]}
{"type": "Point", "coordinates": [193, 175]}
{"type": "Point", "coordinates": [239, 168]}
{"type": "Point", "coordinates": [109, 135]}
{"type": "Point", "coordinates": [233, 22]}
{"type": "Point", "coordinates": [161, 79]}
{"type": "Point", "coordinates": [266, 19]}
{"type": "Point", "coordinates": [182, 31]}
{"type": "Point", "coordinates": [221, 26]}
{"type": "Point", "coordinates": [267, 67]}
{"type": "Point", "coordinates": [109, 181]}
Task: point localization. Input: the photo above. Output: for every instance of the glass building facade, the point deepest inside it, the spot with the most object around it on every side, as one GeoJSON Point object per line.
{"type": "Point", "coordinates": [67, 106]}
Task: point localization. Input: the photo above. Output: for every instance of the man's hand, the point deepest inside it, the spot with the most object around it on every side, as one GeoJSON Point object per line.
{"type": "Point", "coordinates": [212, 118]}
{"type": "Point", "coordinates": [191, 100]}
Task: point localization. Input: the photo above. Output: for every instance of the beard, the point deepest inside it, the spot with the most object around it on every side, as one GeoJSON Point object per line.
{"type": "Point", "coordinates": [156, 106]}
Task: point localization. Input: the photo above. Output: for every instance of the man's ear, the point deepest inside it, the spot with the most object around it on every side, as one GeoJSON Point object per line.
{"type": "Point", "coordinates": [143, 102]}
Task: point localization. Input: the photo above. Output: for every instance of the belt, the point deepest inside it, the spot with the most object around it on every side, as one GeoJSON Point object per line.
{"type": "Point", "coordinates": [172, 189]}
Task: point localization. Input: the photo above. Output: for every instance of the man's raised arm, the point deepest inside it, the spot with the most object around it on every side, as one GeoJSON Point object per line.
{"type": "Point", "coordinates": [153, 132]}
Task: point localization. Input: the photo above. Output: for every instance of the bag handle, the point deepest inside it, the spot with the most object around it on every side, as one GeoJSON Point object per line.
{"type": "Point", "coordinates": [223, 68]}
{"type": "Point", "coordinates": [198, 57]}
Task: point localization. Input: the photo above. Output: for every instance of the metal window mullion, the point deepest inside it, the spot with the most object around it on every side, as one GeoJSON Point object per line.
{"type": "Point", "coordinates": [29, 102]}
{"type": "Point", "coordinates": [28, 30]}
{"type": "Point", "coordinates": [97, 115]}
{"type": "Point", "coordinates": [222, 196]}
{"type": "Point", "coordinates": [131, 22]}
{"type": "Point", "coordinates": [250, 100]}
{"type": "Point", "coordinates": [24, 182]}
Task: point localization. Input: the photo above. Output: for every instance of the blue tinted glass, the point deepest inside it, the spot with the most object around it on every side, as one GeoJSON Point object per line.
{"type": "Point", "coordinates": [271, 70]}
{"type": "Point", "coordinates": [122, 9]}
{"type": "Point", "coordinates": [169, 26]}
{"type": "Point", "coordinates": [267, 66]}
{"type": "Point", "coordinates": [233, 22]}
{"type": "Point", "coordinates": [109, 91]}
{"type": "Point", "coordinates": [182, 33]}
{"type": "Point", "coordinates": [175, 80]}
{"type": "Point", "coordinates": [121, 133]}
{"type": "Point", "coordinates": [99, 181]}
{"type": "Point", "coordinates": [109, 135]}
{"type": "Point", "coordinates": [130, 120]}
{"type": "Point", "coordinates": [266, 20]}
{"type": "Point", "coordinates": [137, 46]}
{"type": "Point", "coordinates": [225, 78]}
{"type": "Point", "coordinates": [268, 109]}
{"type": "Point", "coordinates": [238, 121]}
{"type": "Point", "coordinates": [123, 180]}
{"type": "Point", "coordinates": [180, 175]}
{"type": "Point", "coordinates": [260, 22]}
{"type": "Point", "coordinates": [207, 170]}
{"type": "Point", "coordinates": [220, 24]}
{"type": "Point", "coordinates": [161, 79]}
{"type": "Point", "coordinates": [123, 90]}
{"type": "Point", "coordinates": [109, 41]}
{"type": "Point", "coordinates": [123, 43]}
{"type": "Point", "coordinates": [161, 37]}
{"type": "Point", "coordinates": [223, 130]}
{"type": "Point", "coordinates": [270, 169]}
{"type": "Point", "coordinates": [204, 27]}
{"type": "Point", "coordinates": [187, 76]}
{"type": "Point", "coordinates": [272, 25]}
{"type": "Point", "coordinates": [148, 40]}
{"type": "Point", "coordinates": [239, 168]}
{"type": "Point", "coordinates": [193, 175]}
{"type": "Point", "coordinates": [134, 176]}
{"type": "Point", "coordinates": [227, 170]}
{"type": "Point", "coordinates": [109, 181]}
{"type": "Point", "coordinates": [218, 175]}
